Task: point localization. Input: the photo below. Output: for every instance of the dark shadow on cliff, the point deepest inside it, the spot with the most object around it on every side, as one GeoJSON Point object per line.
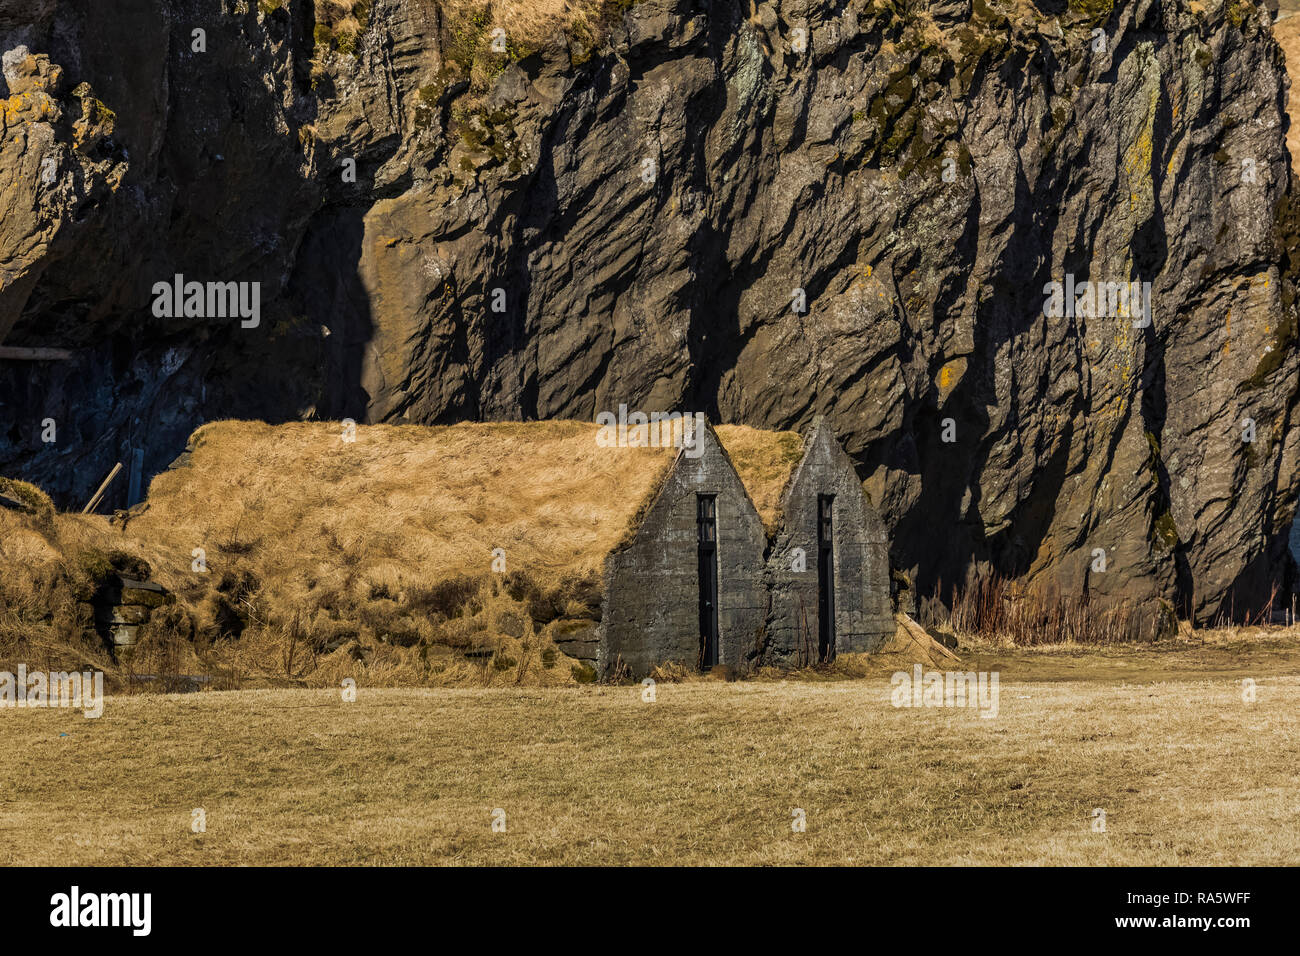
{"type": "Point", "coordinates": [718, 333]}
{"type": "Point", "coordinates": [941, 534]}
{"type": "Point", "coordinates": [211, 184]}
{"type": "Point", "coordinates": [944, 533]}
{"type": "Point", "coordinates": [1150, 252]}
{"type": "Point", "coordinates": [326, 287]}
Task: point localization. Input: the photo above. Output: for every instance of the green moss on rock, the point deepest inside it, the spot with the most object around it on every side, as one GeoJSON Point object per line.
{"type": "Point", "coordinates": [1164, 533]}
{"type": "Point", "coordinates": [1092, 9]}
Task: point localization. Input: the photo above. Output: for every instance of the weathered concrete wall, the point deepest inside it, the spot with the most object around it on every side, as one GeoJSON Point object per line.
{"type": "Point", "coordinates": [651, 610]}
{"type": "Point", "coordinates": [862, 612]}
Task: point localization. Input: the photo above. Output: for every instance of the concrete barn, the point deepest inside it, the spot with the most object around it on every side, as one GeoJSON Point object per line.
{"type": "Point", "coordinates": [624, 549]}
{"type": "Point", "coordinates": [713, 578]}
{"type": "Point", "coordinates": [689, 587]}
{"type": "Point", "coordinates": [829, 563]}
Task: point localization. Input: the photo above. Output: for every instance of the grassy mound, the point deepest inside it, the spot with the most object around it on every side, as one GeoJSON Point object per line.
{"type": "Point", "coordinates": [407, 556]}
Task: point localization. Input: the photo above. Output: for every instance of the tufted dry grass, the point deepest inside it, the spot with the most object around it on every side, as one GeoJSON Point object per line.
{"type": "Point", "coordinates": [764, 461]}
{"type": "Point", "coordinates": [530, 21]}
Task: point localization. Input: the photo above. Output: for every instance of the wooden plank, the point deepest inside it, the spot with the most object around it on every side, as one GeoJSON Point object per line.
{"type": "Point", "coordinates": [21, 354]}
{"type": "Point", "coordinates": [94, 501]}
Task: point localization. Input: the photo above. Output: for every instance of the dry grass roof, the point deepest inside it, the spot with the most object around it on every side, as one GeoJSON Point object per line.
{"type": "Point", "coordinates": [764, 460]}
{"type": "Point", "coordinates": [436, 499]}
{"type": "Point", "coordinates": [303, 506]}
{"type": "Point", "coordinates": [381, 547]}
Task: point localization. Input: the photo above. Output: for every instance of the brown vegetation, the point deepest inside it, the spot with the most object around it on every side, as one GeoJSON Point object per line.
{"type": "Point", "coordinates": [994, 608]}
{"type": "Point", "coordinates": [707, 774]}
{"type": "Point", "coordinates": [764, 460]}
{"type": "Point", "coordinates": [372, 558]}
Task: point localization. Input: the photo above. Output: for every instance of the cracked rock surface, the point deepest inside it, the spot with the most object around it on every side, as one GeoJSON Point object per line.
{"type": "Point", "coordinates": [631, 209]}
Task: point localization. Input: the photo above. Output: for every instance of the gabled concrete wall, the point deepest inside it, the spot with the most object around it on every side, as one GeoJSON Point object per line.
{"type": "Point", "coordinates": [863, 618]}
{"type": "Point", "coordinates": [651, 609]}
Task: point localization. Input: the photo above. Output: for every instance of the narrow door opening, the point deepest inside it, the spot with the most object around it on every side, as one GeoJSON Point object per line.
{"type": "Point", "coordinates": [825, 579]}
{"type": "Point", "coordinates": [706, 520]}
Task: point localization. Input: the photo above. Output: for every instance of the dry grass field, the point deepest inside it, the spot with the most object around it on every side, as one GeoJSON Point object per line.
{"type": "Point", "coordinates": [1159, 738]}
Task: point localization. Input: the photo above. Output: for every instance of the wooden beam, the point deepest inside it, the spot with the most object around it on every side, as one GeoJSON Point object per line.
{"type": "Point", "coordinates": [21, 354]}
{"type": "Point", "coordinates": [94, 501]}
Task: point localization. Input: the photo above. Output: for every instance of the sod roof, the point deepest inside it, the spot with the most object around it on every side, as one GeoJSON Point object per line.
{"type": "Point", "coordinates": [440, 499]}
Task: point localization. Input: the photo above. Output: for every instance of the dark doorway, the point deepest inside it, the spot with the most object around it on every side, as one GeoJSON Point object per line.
{"type": "Point", "coordinates": [825, 579]}
{"type": "Point", "coordinates": [706, 520]}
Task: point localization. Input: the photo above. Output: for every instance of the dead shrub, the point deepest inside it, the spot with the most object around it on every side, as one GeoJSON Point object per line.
{"type": "Point", "coordinates": [671, 672]}
{"type": "Point", "coordinates": [999, 609]}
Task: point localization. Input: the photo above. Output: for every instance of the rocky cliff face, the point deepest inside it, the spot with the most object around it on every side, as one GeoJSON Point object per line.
{"type": "Point", "coordinates": [630, 203]}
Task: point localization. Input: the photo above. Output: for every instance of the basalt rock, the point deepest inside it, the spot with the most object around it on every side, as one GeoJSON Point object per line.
{"type": "Point", "coordinates": [633, 209]}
